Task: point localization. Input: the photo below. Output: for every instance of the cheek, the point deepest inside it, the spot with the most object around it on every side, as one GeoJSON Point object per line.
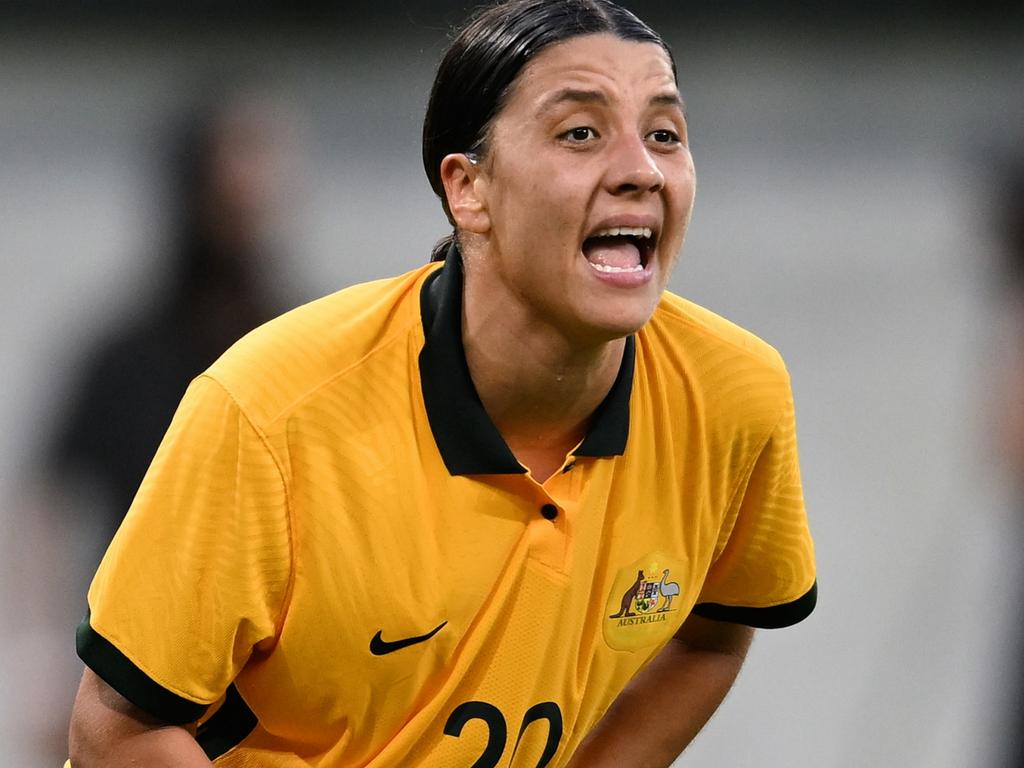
{"type": "Point", "coordinates": [538, 207]}
{"type": "Point", "coordinates": [535, 201]}
{"type": "Point", "coordinates": [682, 190]}
{"type": "Point", "coordinates": [689, 183]}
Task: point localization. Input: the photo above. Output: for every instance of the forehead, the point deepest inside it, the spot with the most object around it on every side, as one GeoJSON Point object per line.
{"type": "Point", "coordinates": [620, 69]}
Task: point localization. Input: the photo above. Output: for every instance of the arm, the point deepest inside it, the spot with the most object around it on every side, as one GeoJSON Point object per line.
{"type": "Point", "coordinates": [209, 527]}
{"type": "Point", "coordinates": [108, 730]}
{"type": "Point", "coordinates": [670, 700]}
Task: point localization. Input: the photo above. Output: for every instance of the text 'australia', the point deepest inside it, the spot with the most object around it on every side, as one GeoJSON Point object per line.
{"type": "Point", "coordinates": [628, 622]}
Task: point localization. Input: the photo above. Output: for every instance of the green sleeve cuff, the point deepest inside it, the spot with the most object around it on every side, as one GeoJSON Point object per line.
{"type": "Point", "coordinates": [117, 671]}
{"type": "Point", "coordinates": [774, 617]}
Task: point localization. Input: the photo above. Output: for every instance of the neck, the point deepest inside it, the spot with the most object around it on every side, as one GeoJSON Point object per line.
{"type": "Point", "coordinates": [539, 388]}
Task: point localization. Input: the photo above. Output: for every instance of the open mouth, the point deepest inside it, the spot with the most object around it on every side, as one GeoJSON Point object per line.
{"type": "Point", "coordinates": [620, 250]}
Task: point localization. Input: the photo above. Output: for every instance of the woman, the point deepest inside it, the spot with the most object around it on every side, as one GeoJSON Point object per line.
{"type": "Point", "coordinates": [519, 508]}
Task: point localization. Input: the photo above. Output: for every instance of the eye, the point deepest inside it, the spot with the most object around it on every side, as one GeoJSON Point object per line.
{"type": "Point", "coordinates": [664, 136]}
{"type": "Point", "coordinates": [579, 135]}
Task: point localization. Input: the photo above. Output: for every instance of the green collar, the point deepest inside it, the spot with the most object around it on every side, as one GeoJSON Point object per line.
{"type": "Point", "coordinates": [469, 442]}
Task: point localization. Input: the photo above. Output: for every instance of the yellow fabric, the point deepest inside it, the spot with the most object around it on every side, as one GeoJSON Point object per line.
{"type": "Point", "coordinates": [298, 505]}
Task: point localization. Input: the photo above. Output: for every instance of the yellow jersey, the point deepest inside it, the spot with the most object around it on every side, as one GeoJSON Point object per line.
{"type": "Point", "coordinates": [335, 559]}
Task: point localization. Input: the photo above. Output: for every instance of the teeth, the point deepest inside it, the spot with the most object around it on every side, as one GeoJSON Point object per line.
{"type": "Point", "coordinates": [644, 232]}
{"type": "Point", "coordinates": [617, 270]}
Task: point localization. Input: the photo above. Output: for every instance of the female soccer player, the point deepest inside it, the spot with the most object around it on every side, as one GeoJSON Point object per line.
{"type": "Point", "coordinates": [520, 506]}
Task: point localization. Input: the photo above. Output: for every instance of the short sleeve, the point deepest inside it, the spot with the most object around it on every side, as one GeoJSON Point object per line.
{"type": "Point", "coordinates": [764, 574]}
{"type": "Point", "coordinates": [198, 574]}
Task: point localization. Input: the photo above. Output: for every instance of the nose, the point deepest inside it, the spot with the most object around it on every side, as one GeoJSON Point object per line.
{"type": "Point", "coordinates": [633, 168]}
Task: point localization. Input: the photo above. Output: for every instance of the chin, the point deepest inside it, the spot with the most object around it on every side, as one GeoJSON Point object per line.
{"type": "Point", "coordinates": [631, 315]}
{"type": "Point", "coordinates": [617, 325]}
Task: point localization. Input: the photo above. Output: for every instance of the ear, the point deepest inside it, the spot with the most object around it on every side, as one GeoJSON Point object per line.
{"type": "Point", "coordinates": [465, 188]}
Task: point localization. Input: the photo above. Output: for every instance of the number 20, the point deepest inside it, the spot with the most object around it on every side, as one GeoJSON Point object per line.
{"type": "Point", "coordinates": [497, 736]}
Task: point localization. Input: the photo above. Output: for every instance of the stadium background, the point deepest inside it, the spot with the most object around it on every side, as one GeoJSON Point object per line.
{"type": "Point", "coordinates": [847, 157]}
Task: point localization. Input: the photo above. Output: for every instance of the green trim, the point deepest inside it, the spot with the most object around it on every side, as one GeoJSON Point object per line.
{"type": "Point", "coordinates": [774, 617]}
{"type": "Point", "coordinates": [117, 670]}
{"type": "Point", "coordinates": [466, 437]}
{"type": "Point", "coordinates": [610, 422]}
{"type": "Point", "coordinates": [228, 726]}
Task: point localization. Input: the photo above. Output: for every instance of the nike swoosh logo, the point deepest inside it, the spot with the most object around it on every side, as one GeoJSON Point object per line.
{"type": "Point", "coordinates": [379, 646]}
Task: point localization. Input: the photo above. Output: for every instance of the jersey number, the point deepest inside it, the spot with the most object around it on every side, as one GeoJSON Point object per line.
{"type": "Point", "coordinates": [497, 729]}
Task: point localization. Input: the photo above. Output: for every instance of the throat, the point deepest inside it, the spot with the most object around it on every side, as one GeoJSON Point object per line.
{"type": "Point", "coordinates": [539, 390]}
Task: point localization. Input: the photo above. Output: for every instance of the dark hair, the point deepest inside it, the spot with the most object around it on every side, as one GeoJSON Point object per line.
{"type": "Point", "coordinates": [477, 72]}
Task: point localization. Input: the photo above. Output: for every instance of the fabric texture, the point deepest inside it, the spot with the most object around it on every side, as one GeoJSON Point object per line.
{"type": "Point", "coordinates": [308, 560]}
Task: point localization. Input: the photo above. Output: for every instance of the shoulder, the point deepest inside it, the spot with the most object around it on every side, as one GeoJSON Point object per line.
{"type": "Point", "coordinates": [693, 326]}
{"type": "Point", "coordinates": [727, 368]}
{"type": "Point", "coordinates": [287, 360]}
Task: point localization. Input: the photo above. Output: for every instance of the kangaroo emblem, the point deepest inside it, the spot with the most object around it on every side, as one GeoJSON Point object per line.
{"type": "Point", "coordinates": [630, 596]}
{"type": "Point", "coordinates": [669, 589]}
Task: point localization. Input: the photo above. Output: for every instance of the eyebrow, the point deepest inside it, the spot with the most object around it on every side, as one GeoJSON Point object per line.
{"type": "Point", "coordinates": [669, 100]}
{"type": "Point", "coordinates": [583, 96]}
{"type": "Point", "coordinates": [575, 95]}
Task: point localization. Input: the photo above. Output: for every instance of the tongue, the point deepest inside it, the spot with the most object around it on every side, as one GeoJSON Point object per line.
{"type": "Point", "coordinates": [621, 253]}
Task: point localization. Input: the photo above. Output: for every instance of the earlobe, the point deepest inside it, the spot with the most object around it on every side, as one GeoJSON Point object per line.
{"type": "Point", "coordinates": [465, 189]}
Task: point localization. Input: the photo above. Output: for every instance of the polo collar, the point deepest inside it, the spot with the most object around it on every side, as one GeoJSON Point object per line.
{"type": "Point", "coordinates": [469, 442]}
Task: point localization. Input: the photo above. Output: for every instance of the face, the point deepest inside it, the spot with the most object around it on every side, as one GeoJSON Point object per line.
{"type": "Point", "coordinates": [586, 189]}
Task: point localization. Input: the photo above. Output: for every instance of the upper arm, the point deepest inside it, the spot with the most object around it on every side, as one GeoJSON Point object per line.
{"type": "Point", "coordinates": [763, 573]}
{"type": "Point", "coordinates": [107, 729]}
{"type": "Point", "coordinates": [209, 527]}
{"type": "Point", "coordinates": [700, 634]}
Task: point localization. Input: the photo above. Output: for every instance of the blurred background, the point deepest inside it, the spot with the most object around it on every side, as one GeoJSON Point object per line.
{"type": "Point", "coordinates": [172, 176]}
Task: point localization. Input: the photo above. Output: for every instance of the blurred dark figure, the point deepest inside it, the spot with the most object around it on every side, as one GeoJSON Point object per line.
{"type": "Point", "coordinates": [1010, 404]}
{"type": "Point", "coordinates": [225, 171]}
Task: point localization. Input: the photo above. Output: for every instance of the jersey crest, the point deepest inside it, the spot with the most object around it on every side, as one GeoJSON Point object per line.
{"type": "Point", "coordinates": [647, 597]}
{"type": "Point", "coordinates": [647, 602]}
